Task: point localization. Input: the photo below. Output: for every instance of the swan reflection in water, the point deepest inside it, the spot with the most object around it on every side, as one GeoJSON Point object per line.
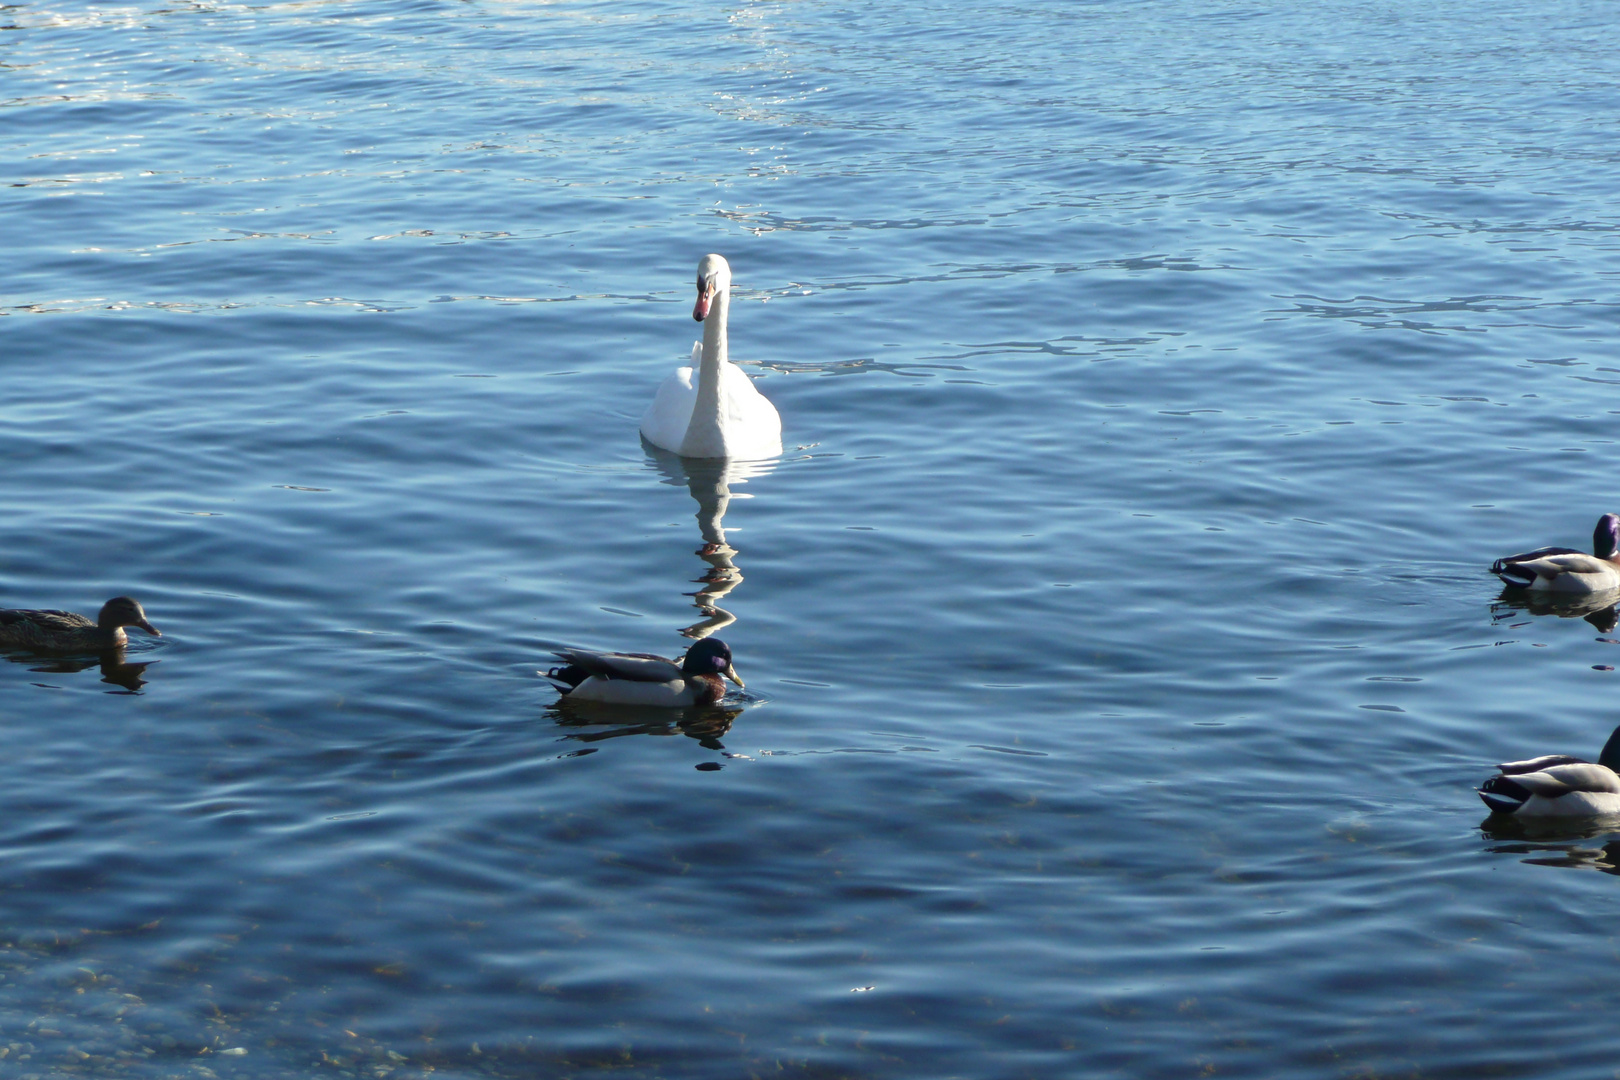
{"type": "Point", "coordinates": [115, 669]}
{"type": "Point", "coordinates": [710, 480]}
{"type": "Point", "coordinates": [1599, 609]}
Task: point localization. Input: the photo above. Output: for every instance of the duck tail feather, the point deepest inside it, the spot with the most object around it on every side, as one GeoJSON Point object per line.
{"type": "Point", "coordinates": [1503, 795]}
{"type": "Point", "coordinates": [1514, 574]}
{"type": "Point", "coordinates": [567, 677]}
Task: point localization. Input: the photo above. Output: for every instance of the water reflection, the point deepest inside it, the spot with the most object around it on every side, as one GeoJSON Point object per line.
{"type": "Point", "coordinates": [1602, 610]}
{"type": "Point", "coordinates": [1549, 842]}
{"type": "Point", "coordinates": [611, 722]}
{"type": "Point", "coordinates": [115, 669]}
{"type": "Point", "coordinates": [710, 482]}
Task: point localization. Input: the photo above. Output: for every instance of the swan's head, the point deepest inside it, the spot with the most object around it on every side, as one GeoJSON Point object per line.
{"type": "Point", "coordinates": [714, 278]}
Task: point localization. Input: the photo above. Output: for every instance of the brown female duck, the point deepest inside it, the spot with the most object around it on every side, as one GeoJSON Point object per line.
{"type": "Point", "coordinates": [63, 631]}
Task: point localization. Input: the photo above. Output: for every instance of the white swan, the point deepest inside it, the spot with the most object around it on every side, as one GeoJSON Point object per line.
{"type": "Point", "coordinates": [722, 416]}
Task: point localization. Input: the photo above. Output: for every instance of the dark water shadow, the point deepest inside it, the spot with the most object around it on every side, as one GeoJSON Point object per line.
{"type": "Point", "coordinates": [1602, 610]}
{"type": "Point", "coordinates": [115, 669]}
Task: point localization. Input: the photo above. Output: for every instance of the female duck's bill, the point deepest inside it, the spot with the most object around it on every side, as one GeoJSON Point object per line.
{"type": "Point", "coordinates": [1557, 785]}
{"type": "Point", "coordinates": [644, 679]}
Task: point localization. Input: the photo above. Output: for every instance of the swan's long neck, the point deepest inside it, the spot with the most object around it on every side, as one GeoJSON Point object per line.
{"type": "Point", "coordinates": [705, 432]}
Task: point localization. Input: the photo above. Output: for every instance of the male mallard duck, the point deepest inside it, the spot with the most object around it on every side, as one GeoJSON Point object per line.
{"type": "Point", "coordinates": [1557, 785]}
{"type": "Point", "coordinates": [66, 632]}
{"type": "Point", "coordinates": [722, 414]}
{"type": "Point", "coordinates": [1565, 569]}
{"type": "Point", "coordinates": [641, 679]}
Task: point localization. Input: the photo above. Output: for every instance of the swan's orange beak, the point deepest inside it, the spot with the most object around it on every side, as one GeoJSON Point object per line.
{"type": "Point", "coordinates": [701, 311]}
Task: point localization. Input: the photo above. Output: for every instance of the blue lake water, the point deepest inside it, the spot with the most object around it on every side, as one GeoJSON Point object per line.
{"type": "Point", "coordinates": [1158, 380]}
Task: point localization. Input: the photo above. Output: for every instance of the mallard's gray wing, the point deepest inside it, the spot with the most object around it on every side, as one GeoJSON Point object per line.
{"type": "Point", "coordinates": [1572, 562]}
{"type": "Point", "coordinates": [1536, 764]}
{"type": "Point", "coordinates": [1531, 556]}
{"type": "Point", "coordinates": [633, 667]}
{"type": "Point", "coordinates": [47, 620]}
{"type": "Point", "coordinates": [1563, 779]}
{"type": "Point", "coordinates": [1552, 566]}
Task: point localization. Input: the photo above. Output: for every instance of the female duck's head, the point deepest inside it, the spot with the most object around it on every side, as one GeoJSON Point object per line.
{"type": "Point", "coordinates": [713, 279]}
{"type": "Point", "coordinates": [123, 611]}
{"type": "Point", "coordinates": [711, 656]}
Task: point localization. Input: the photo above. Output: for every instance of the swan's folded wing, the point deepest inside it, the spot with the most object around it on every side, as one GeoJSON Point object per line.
{"type": "Point", "coordinates": [1563, 779]}
{"type": "Point", "coordinates": [753, 426]}
{"type": "Point", "coordinates": [665, 422]}
{"type": "Point", "coordinates": [632, 667]}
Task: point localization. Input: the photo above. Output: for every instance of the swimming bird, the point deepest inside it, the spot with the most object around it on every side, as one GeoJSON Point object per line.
{"type": "Point", "coordinates": [66, 632]}
{"type": "Point", "coordinates": [1557, 785]}
{"type": "Point", "coordinates": [718, 413]}
{"type": "Point", "coordinates": [643, 679]}
{"type": "Point", "coordinates": [1566, 570]}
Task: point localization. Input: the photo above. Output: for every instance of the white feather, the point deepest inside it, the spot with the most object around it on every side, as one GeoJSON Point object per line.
{"type": "Point", "coordinates": [738, 421]}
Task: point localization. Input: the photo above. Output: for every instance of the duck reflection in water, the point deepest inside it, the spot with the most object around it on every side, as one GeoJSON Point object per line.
{"type": "Point", "coordinates": [115, 669]}
{"type": "Point", "coordinates": [598, 689]}
{"type": "Point", "coordinates": [1602, 609]}
{"type": "Point", "coordinates": [706, 725]}
{"type": "Point", "coordinates": [710, 480]}
{"type": "Point", "coordinates": [1558, 844]}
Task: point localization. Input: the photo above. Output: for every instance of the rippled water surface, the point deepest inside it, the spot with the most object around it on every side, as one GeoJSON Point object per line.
{"type": "Point", "coordinates": [1158, 380]}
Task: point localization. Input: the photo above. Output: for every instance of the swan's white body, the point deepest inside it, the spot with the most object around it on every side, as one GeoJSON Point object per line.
{"type": "Point", "coordinates": [711, 409]}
